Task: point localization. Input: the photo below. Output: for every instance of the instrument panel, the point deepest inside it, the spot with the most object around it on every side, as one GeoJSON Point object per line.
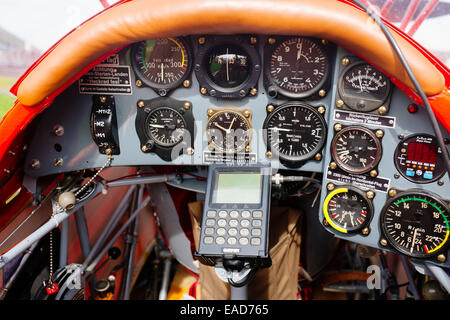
{"type": "Point", "coordinates": [297, 103]}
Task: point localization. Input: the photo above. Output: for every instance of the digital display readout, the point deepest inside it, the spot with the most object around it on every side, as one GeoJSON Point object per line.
{"type": "Point", "coordinates": [422, 152]}
{"type": "Point", "coordinates": [239, 188]}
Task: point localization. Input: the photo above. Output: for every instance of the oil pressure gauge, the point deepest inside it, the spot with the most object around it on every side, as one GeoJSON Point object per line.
{"type": "Point", "coordinates": [364, 88]}
{"type": "Point", "coordinates": [347, 209]}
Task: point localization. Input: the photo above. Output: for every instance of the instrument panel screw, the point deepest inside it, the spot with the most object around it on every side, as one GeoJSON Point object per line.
{"type": "Point", "coordinates": [382, 110]}
{"type": "Point", "coordinates": [144, 148]}
{"type": "Point", "coordinates": [321, 109]}
{"type": "Point", "coordinates": [247, 148]}
{"type": "Point", "coordinates": [58, 162]}
{"type": "Point", "coordinates": [211, 147]}
{"type": "Point", "coordinates": [318, 156]}
{"type": "Point", "coordinates": [330, 187]}
{"type": "Point", "coordinates": [212, 93]}
{"type": "Point", "coordinates": [141, 104]}
{"type": "Point", "coordinates": [337, 127]}
{"type": "Point", "coordinates": [186, 83]}
{"type": "Point", "coordinates": [269, 154]}
{"type": "Point", "coordinates": [210, 112]}
{"type": "Point", "coordinates": [58, 130]}
{"type": "Point", "coordinates": [441, 182]}
{"type": "Point", "coordinates": [322, 93]}
{"type": "Point", "coordinates": [401, 137]}
{"type": "Point", "coordinates": [441, 258]}
{"type": "Point", "coordinates": [373, 173]}
{"type": "Point", "coordinates": [190, 151]}
{"type": "Point", "coordinates": [365, 231]}
{"type": "Point", "coordinates": [102, 99]}
{"type": "Point", "coordinates": [383, 242]}
{"type": "Point", "coordinates": [108, 151]}
{"type": "Point", "coordinates": [272, 40]}
{"type": "Point", "coordinates": [253, 91]}
{"type": "Point", "coordinates": [324, 42]}
{"type": "Point", "coordinates": [201, 40]}
{"type": "Point", "coordinates": [379, 133]}
{"type": "Point", "coordinates": [396, 176]}
{"type": "Point", "coordinates": [138, 83]}
{"type": "Point", "coordinates": [325, 222]}
{"type": "Point", "coordinates": [345, 62]}
{"type": "Point", "coordinates": [247, 113]}
{"type": "Point", "coordinates": [35, 164]}
{"type": "Point", "coordinates": [253, 40]}
{"type": "Point", "coordinates": [333, 165]}
{"type": "Point", "coordinates": [203, 91]}
{"type": "Point", "coordinates": [339, 103]}
{"type": "Point", "coordinates": [392, 193]}
{"type": "Point", "coordinates": [187, 105]}
{"type": "Point", "coordinates": [270, 108]}
{"type": "Point", "coordinates": [370, 194]}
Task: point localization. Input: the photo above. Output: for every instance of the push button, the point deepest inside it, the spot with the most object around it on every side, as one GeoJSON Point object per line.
{"type": "Point", "coordinates": [211, 214]}
{"type": "Point", "coordinates": [428, 175]}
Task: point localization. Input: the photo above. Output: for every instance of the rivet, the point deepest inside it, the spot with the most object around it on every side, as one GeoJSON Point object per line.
{"type": "Point", "coordinates": [333, 165]}
{"type": "Point", "coordinates": [253, 91]}
{"type": "Point", "coordinates": [102, 99]}
{"type": "Point", "coordinates": [138, 83]}
{"type": "Point", "coordinates": [201, 40]}
{"type": "Point", "coordinates": [330, 187]}
{"type": "Point", "coordinates": [382, 110]}
{"type": "Point", "coordinates": [337, 127]}
{"type": "Point", "coordinates": [247, 113]}
{"type": "Point", "coordinates": [322, 93]}
{"type": "Point", "coordinates": [321, 109]}
{"type": "Point", "coordinates": [379, 133]}
{"type": "Point", "coordinates": [392, 193]}
{"type": "Point", "coordinates": [345, 62]}
{"type": "Point", "coordinates": [253, 40]}
{"type": "Point", "coordinates": [318, 156]}
{"type": "Point", "coordinates": [339, 103]}
{"type": "Point", "coordinates": [373, 173]}
{"type": "Point", "coordinates": [270, 108]}
{"type": "Point", "coordinates": [365, 231]}
{"type": "Point", "coordinates": [186, 83]}
{"type": "Point", "coordinates": [269, 154]}
{"type": "Point", "coordinates": [441, 258]}
{"type": "Point", "coordinates": [141, 104]}
{"type": "Point", "coordinates": [370, 194]}
{"type": "Point", "coordinates": [187, 105]}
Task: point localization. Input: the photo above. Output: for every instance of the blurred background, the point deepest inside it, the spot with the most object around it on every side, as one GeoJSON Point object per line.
{"type": "Point", "coordinates": [29, 28]}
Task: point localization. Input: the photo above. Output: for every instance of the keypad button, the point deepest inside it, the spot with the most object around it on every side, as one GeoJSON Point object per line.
{"type": "Point", "coordinates": [244, 232]}
{"type": "Point", "coordinates": [209, 231]}
{"type": "Point", "coordinates": [210, 222]}
{"type": "Point", "coordinates": [220, 240]}
{"type": "Point", "coordinates": [208, 240]}
{"type": "Point", "coordinates": [256, 232]}
{"type": "Point", "coordinates": [255, 241]}
{"type": "Point", "coordinates": [243, 241]}
{"type": "Point", "coordinates": [257, 223]}
{"type": "Point", "coordinates": [223, 214]}
{"type": "Point", "coordinates": [234, 214]}
{"type": "Point", "coordinates": [232, 232]}
{"type": "Point", "coordinates": [211, 214]}
{"type": "Point", "coordinates": [245, 223]}
{"type": "Point", "coordinates": [232, 241]}
{"type": "Point", "coordinates": [233, 223]}
{"type": "Point", "coordinates": [222, 223]}
{"type": "Point", "coordinates": [221, 231]}
{"type": "Point", "coordinates": [245, 214]}
{"type": "Point", "coordinates": [257, 214]}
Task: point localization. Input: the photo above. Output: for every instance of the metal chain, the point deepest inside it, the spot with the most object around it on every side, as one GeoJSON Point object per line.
{"type": "Point", "coordinates": [50, 273]}
{"type": "Point", "coordinates": [108, 161]}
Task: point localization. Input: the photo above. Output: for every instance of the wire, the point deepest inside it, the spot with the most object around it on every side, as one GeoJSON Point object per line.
{"type": "Point", "coordinates": [413, 79]}
{"type": "Point", "coordinates": [244, 282]}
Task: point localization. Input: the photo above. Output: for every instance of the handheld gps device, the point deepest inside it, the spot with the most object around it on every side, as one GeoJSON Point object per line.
{"type": "Point", "coordinates": [236, 214]}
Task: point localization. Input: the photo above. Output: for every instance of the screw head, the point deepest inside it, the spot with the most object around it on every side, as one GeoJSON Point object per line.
{"type": "Point", "coordinates": [210, 112]}
{"type": "Point", "coordinates": [203, 91]}
{"type": "Point", "coordinates": [324, 42]}
{"type": "Point", "coordinates": [35, 164]}
{"type": "Point", "coordinates": [253, 91]}
{"type": "Point", "coordinates": [58, 162]}
{"type": "Point", "coordinates": [58, 130]}
{"type": "Point", "coordinates": [247, 148]}
{"type": "Point", "coordinates": [318, 156]}
{"type": "Point", "coordinates": [337, 127]}
{"type": "Point", "coordinates": [190, 151]}
{"type": "Point", "coordinates": [345, 62]}
{"type": "Point", "coordinates": [370, 194]}
{"type": "Point", "coordinates": [330, 187]}
{"type": "Point", "coordinates": [333, 165]}
{"type": "Point", "coordinates": [382, 110]}
{"type": "Point", "coordinates": [253, 40]}
{"type": "Point", "coordinates": [440, 183]}
{"type": "Point", "coordinates": [392, 193]}
{"type": "Point", "coordinates": [201, 40]}
{"type": "Point", "coordinates": [270, 108]}
{"type": "Point", "coordinates": [365, 231]}
{"type": "Point", "coordinates": [144, 148]}
{"type": "Point", "coordinates": [187, 105]}
{"type": "Point", "coordinates": [383, 242]}
{"type": "Point", "coordinates": [321, 109]}
{"type": "Point", "coordinates": [141, 104]}
{"type": "Point", "coordinates": [379, 133]}
{"type": "Point", "coordinates": [138, 83]}
{"type": "Point", "coordinates": [247, 113]}
{"type": "Point", "coordinates": [441, 258]}
{"type": "Point", "coordinates": [339, 103]}
{"type": "Point", "coordinates": [269, 154]}
{"type": "Point", "coordinates": [102, 99]}
{"type": "Point", "coordinates": [186, 83]}
{"type": "Point", "coordinates": [272, 40]}
{"type": "Point", "coordinates": [322, 93]}
{"type": "Point", "coordinates": [373, 173]}
{"type": "Point", "coordinates": [325, 222]}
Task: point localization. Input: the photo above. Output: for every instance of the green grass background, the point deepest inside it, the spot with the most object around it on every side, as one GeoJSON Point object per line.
{"type": "Point", "coordinates": [6, 101]}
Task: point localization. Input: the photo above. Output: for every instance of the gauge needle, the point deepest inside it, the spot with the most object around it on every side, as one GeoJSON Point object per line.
{"type": "Point", "coordinates": [159, 126]}
{"type": "Point", "coordinates": [220, 127]}
{"type": "Point", "coordinates": [299, 52]}
{"type": "Point", "coordinates": [162, 71]}
{"type": "Point", "coordinates": [280, 129]}
{"type": "Point", "coordinates": [228, 72]}
{"type": "Point", "coordinates": [231, 124]}
{"type": "Point", "coordinates": [414, 239]}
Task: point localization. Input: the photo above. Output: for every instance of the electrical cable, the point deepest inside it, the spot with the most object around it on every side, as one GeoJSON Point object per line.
{"type": "Point", "coordinates": [244, 282]}
{"type": "Point", "coordinates": [413, 79]}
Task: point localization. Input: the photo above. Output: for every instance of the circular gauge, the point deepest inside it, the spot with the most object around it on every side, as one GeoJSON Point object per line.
{"type": "Point", "coordinates": [162, 64]}
{"type": "Point", "coordinates": [419, 159]}
{"type": "Point", "coordinates": [416, 224]}
{"type": "Point", "coordinates": [297, 68]}
{"type": "Point", "coordinates": [228, 65]}
{"type": "Point", "coordinates": [228, 131]}
{"type": "Point", "coordinates": [347, 209]}
{"type": "Point", "coordinates": [364, 88]}
{"type": "Point", "coordinates": [356, 149]}
{"type": "Point", "coordinates": [295, 132]}
{"type": "Point", "coordinates": [165, 126]}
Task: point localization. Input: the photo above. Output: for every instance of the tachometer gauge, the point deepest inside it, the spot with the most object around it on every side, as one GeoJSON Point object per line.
{"type": "Point", "coordinates": [162, 64]}
{"type": "Point", "coordinates": [347, 209]}
{"type": "Point", "coordinates": [228, 130]}
{"type": "Point", "coordinates": [356, 149]}
{"type": "Point", "coordinates": [295, 132]}
{"type": "Point", "coordinates": [296, 68]}
{"type": "Point", "coordinates": [364, 88]}
{"type": "Point", "coordinates": [416, 224]}
{"type": "Point", "coordinates": [165, 126]}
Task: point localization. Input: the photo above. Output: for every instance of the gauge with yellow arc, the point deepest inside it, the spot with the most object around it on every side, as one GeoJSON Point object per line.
{"type": "Point", "coordinates": [348, 210]}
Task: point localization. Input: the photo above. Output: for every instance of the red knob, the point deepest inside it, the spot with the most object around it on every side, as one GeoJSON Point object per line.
{"type": "Point", "coordinates": [52, 288]}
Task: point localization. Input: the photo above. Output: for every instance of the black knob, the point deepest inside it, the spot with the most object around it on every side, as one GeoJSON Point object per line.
{"type": "Point", "coordinates": [114, 253]}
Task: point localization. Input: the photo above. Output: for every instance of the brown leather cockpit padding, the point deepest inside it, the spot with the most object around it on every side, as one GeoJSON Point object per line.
{"type": "Point", "coordinates": [143, 19]}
